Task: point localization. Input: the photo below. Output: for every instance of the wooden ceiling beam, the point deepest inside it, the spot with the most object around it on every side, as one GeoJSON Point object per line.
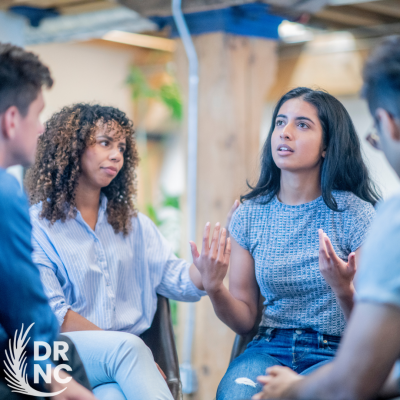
{"type": "Point", "coordinates": [65, 6]}
{"type": "Point", "coordinates": [391, 9]}
{"type": "Point", "coordinates": [86, 7]}
{"type": "Point", "coordinates": [360, 11]}
{"type": "Point", "coordinates": [44, 3]}
{"type": "Point", "coordinates": [5, 4]}
{"type": "Point", "coordinates": [346, 18]}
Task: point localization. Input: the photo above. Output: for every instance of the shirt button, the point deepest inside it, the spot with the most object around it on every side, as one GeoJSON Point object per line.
{"type": "Point", "coordinates": [299, 331]}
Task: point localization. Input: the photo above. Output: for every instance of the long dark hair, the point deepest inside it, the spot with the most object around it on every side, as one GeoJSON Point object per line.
{"type": "Point", "coordinates": [343, 167]}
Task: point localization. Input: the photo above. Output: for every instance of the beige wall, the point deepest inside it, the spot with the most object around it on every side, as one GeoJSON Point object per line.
{"type": "Point", "coordinates": [86, 72]}
{"type": "Point", "coordinates": [95, 72]}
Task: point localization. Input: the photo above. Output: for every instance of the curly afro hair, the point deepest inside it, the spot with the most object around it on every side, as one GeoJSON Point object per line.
{"type": "Point", "coordinates": [53, 178]}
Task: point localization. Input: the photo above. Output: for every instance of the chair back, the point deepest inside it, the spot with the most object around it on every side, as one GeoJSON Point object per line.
{"type": "Point", "coordinates": [160, 339]}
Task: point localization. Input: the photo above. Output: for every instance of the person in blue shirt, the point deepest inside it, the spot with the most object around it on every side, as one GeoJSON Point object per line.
{"type": "Point", "coordinates": [367, 363]}
{"type": "Point", "coordinates": [23, 301]}
{"type": "Point", "coordinates": [102, 263]}
{"type": "Point", "coordinates": [312, 177]}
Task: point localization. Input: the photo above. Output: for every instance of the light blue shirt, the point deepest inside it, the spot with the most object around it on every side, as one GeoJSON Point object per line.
{"type": "Point", "coordinates": [109, 279]}
{"type": "Point", "coordinates": [378, 276]}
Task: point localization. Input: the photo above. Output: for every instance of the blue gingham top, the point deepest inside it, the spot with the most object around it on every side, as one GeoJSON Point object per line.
{"type": "Point", "coordinates": [283, 241]}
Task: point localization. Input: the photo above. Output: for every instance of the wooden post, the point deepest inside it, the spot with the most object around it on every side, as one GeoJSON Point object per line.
{"type": "Point", "coordinates": [236, 73]}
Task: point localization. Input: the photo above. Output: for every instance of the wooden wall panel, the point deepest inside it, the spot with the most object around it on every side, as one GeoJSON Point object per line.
{"type": "Point", "coordinates": [235, 75]}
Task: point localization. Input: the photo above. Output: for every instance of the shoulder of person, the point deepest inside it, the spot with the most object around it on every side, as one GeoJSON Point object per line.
{"type": "Point", "coordinates": [12, 196]}
{"type": "Point", "coordinates": [390, 207]}
{"type": "Point", "coordinates": [351, 203]}
{"type": "Point", "coordinates": [254, 205]}
{"type": "Point", "coordinates": [34, 210]}
{"type": "Point", "coordinates": [9, 186]}
{"type": "Point", "coordinates": [143, 221]}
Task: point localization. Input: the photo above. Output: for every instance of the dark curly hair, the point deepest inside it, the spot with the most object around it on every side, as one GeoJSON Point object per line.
{"type": "Point", "coordinates": [53, 178]}
{"type": "Point", "coordinates": [22, 76]}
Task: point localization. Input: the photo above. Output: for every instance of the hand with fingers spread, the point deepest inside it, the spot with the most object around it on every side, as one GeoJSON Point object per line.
{"type": "Point", "coordinates": [213, 261]}
{"type": "Point", "coordinates": [277, 383]}
{"type": "Point", "coordinates": [337, 273]}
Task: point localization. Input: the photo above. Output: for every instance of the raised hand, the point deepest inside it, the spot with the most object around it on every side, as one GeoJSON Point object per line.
{"type": "Point", "coordinates": [337, 273]}
{"type": "Point", "coordinates": [213, 261]}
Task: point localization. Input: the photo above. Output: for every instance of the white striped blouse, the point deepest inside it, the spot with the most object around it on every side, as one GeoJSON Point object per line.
{"type": "Point", "coordinates": [109, 279]}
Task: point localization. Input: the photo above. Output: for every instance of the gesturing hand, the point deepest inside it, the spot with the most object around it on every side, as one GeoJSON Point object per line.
{"type": "Point", "coordinates": [276, 383]}
{"type": "Point", "coordinates": [213, 261]}
{"type": "Point", "coordinates": [337, 273]}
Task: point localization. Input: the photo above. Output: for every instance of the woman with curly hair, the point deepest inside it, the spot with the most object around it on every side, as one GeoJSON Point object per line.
{"type": "Point", "coordinates": [101, 262]}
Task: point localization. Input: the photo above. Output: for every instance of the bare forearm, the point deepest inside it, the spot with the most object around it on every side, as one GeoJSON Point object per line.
{"type": "Point", "coordinates": [346, 301]}
{"type": "Point", "coordinates": [232, 312]}
{"type": "Point", "coordinates": [316, 386]}
{"type": "Point", "coordinates": [75, 322]}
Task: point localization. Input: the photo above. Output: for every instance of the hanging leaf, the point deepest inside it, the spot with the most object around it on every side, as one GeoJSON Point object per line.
{"type": "Point", "coordinates": [171, 201]}
{"type": "Point", "coordinates": [139, 86]}
{"type": "Point", "coordinates": [171, 97]}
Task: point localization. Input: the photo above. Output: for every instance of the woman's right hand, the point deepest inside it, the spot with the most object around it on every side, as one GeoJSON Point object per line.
{"type": "Point", "coordinates": [213, 261]}
{"type": "Point", "coordinates": [337, 273]}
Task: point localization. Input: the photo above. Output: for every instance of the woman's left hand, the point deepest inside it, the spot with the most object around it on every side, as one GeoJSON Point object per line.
{"type": "Point", "coordinates": [213, 262]}
{"type": "Point", "coordinates": [337, 273]}
{"type": "Point", "coordinates": [276, 383]}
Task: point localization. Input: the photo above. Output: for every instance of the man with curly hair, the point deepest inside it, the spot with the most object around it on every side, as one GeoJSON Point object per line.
{"type": "Point", "coordinates": [23, 301]}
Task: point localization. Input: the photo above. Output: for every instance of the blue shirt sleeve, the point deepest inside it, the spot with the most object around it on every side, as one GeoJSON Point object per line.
{"type": "Point", "coordinates": [378, 277]}
{"type": "Point", "coordinates": [171, 272]}
{"type": "Point", "coordinates": [239, 226]}
{"type": "Point", "coordinates": [22, 297]}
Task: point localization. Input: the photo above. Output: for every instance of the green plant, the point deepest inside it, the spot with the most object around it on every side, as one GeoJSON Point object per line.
{"type": "Point", "coordinates": [168, 94]}
{"type": "Point", "coordinates": [168, 222]}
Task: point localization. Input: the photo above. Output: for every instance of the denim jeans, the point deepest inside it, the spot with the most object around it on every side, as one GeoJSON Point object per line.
{"type": "Point", "coordinates": [302, 350]}
{"type": "Point", "coordinates": [119, 366]}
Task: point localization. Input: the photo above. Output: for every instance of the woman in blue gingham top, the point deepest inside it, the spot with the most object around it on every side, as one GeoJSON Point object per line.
{"type": "Point", "coordinates": [296, 238]}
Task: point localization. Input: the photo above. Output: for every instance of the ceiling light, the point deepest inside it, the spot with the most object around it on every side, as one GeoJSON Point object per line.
{"type": "Point", "coordinates": [291, 32]}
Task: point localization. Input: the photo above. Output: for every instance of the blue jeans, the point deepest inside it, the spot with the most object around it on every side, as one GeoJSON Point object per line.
{"type": "Point", "coordinates": [119, 366]}
{"type": "Point", "coordinates": [302, 350]}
